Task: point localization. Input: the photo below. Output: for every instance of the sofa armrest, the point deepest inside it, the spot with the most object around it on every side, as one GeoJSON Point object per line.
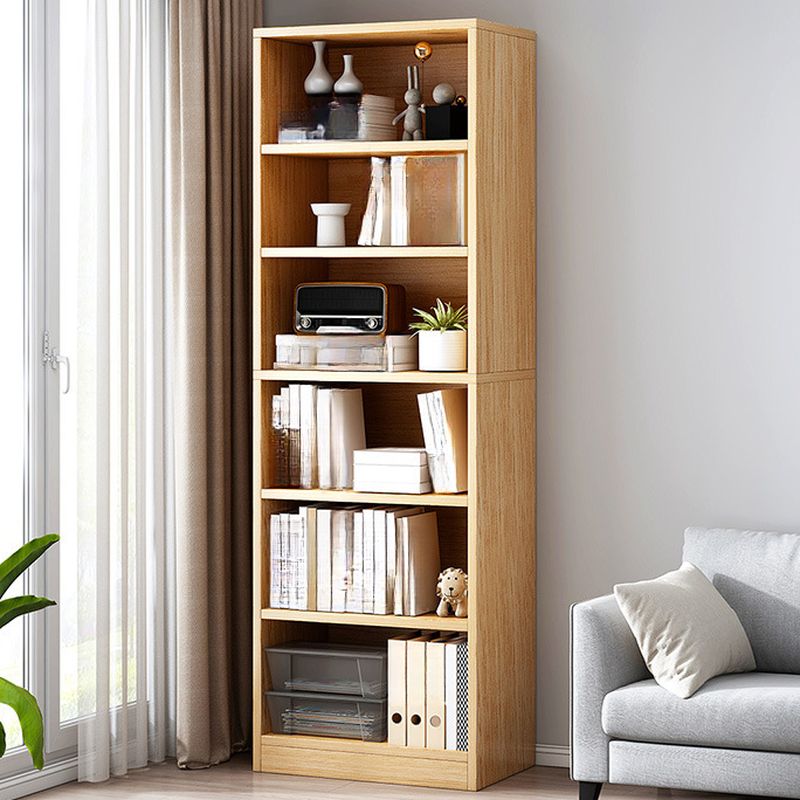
{"type": "Point", "coordinates": [603, 656]}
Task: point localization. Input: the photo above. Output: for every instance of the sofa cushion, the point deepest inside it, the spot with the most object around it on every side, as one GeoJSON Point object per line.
{"type": "Point", "coordinates": [685, 630]}
{"type": "Point", "coordinates": [751, 711]}
{"type": "Point", "coordinates": [758, 574]}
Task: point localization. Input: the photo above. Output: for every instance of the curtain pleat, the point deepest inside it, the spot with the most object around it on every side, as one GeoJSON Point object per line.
{"type": "Point", "coordinates": [209, 91]}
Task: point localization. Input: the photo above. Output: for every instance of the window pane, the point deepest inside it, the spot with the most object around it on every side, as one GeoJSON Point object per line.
{"type": "Point", "coordinates": [12, 399]}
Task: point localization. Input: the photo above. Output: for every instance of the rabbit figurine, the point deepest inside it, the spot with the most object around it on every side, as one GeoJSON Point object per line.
{"type": "Point", "coordinates": [412, 116]}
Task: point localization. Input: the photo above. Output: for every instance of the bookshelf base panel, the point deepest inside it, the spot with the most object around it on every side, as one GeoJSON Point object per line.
{"type": "Point", "coordinates": [344, 759]}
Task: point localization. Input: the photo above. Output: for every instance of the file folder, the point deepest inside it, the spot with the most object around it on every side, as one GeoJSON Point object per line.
{"type": "Point", "coordinates": [396, 685]}
{"type": "Point", "coordinates": [415, 689]}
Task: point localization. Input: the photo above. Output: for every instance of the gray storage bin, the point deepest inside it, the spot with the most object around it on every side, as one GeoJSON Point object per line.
{"type": "Point", "coordinates": [328, 668]}
{"type": "Point", "coordinates": [327, 715]}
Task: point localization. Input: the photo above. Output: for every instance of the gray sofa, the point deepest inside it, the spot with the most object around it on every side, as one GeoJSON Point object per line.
{"type": "Point", "coordinates": [738, 733]}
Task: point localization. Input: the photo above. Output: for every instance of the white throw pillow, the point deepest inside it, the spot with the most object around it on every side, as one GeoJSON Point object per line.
{"type": "Point", "coordinates": [685, 630]}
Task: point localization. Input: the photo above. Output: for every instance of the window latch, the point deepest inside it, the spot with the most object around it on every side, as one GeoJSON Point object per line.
{"type": "Point", "coordinates": [53, 359]}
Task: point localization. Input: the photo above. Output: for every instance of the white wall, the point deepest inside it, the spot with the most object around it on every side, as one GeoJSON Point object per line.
{"type": "Point", "coordinates": [669, 282]}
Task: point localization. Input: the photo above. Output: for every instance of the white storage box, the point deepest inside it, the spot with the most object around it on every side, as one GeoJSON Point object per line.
{"type": "Point", "coordinates": [394, 353]}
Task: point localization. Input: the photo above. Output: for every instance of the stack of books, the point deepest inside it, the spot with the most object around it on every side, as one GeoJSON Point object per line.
{"type": "Point", "coordinates": [403, 470]}
{"type": "Point", "coordinates": [428, 700]}
{"type": "Point", "coordinates": [415, 200]}
{"type": "Point", "coordinates": [443, 414]}
{"type": "Point", "coordinates": [315, 432]}
{"type": "Point", "coordinates": [381, 560]}
{"type": "Point", "coordinates": [375, 115]}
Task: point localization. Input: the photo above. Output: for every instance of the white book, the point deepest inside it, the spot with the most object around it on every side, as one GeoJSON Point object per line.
{"type": "Point", "coordinates": [382, 235]}
{"type": "Point", "coordinates": [308, 436]}
{"type": "Point", "coordinates": [341, 557]}
{"type": "Point", "coordinates": [394, 578]}
{"type": "Point", "coordinates": [355, 591]}
{"type": "Point", "coordinates": [324, 439]}
{"type": "Point", "coordinates": [324, 559]}
{"type": "Point", "coordinates": [399, 207]}
{"type": "Point", "coordinates": [370, 212]}
{"type": "Point", "coordinates": [380, 595]}
{"type": "Point", "coordinates": [385, 486]}
{"type": "Point", "coordinates": [275, 561]}
{"type": "Point", "coordinates": [297, 588]}
{"type": "Point", "coordinates": [368, 601]}
{"type": "Point", "coordinates": [434, 464]}
{"type": "Point", "coordinates": [443, 414]}
{"type": "Point", "coordinates": [285, 565]}
{"type": "Point", "coordinates": [421, 562]}
{"type": "Point", "coordinates": [347, 434]}
{"type": "Point", "coordinates": [404, 473]}
{"type": "Point", "coordinates": [392, 456]}
{"type": "Point", "coordinates": [308, 515]}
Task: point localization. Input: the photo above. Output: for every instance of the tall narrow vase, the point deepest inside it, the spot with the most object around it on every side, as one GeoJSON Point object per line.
{"type": "Point", "coordinates": [319, 80]}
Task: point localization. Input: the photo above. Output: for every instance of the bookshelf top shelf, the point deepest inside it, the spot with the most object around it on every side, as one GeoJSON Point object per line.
{"type": "Point", "coordinates": [371, 498]}
{"type": "Point", "coordinates": [356, 148]}
{"type": "Point", "coordinates": [425, 622]}
{"type": "Point", "coordinates": [386, 33]}
{"type": "Point", "coordinates": [445, 251]}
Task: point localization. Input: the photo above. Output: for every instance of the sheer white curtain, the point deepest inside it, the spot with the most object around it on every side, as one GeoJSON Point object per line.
{"type": "Point", "coordinates": [125, 508]}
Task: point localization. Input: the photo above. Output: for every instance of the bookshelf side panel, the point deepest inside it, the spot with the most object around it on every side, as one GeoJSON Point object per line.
{"type": "Point", "coordinates": [502, 580]}
{"type": "Point", "coordinates": [502, 201]}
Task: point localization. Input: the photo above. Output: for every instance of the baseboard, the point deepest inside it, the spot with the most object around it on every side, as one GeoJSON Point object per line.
{"type": "Point", "coordinates": [34, 781]}
{"type": "Point", "coordinates": [552, 755]}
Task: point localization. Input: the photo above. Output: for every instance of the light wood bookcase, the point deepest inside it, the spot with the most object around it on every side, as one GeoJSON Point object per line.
{"type": "Point", "coordinates": [491, 528]}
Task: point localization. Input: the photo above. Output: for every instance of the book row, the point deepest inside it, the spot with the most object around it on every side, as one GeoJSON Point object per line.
{"type": "Point", "coordinates": [372, 560]}
{"type": "Point", "coordinates": [320, 442]}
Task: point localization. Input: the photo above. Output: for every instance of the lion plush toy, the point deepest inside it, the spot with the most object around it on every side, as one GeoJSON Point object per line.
{"type": "Point", "coordinates": [451, 588]}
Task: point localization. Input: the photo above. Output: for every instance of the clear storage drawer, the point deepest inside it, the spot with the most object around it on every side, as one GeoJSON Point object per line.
{"type": "Point", "coordinates": [329, 668]}
{"type": "Point", "coordinates": [327, 715]}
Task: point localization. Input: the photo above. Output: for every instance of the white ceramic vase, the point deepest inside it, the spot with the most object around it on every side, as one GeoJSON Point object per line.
{"type": "Point", "coordinates": [330, 223]}
{"type": "Point", "coordinates": [348, 83]}
{"type": "Point", "coordinates": [442, 351]}
{"type": "Point", "coordinates": [319, 80]}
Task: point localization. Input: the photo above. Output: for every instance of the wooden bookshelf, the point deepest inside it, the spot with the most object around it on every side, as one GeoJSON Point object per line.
{"type": "Point", "coordinates": [490, 529]}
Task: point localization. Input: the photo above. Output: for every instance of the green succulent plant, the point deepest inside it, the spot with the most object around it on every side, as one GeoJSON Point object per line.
{"type": "Point", "coordinates": [441, 317]}
{"type": "Point", "coordinates": [21, 700]}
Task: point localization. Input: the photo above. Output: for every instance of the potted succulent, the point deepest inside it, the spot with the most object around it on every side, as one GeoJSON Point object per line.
{"type": "Point", "coordinates": [442, 334]}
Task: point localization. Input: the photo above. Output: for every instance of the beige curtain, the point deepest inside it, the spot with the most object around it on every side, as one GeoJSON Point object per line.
{"type": "Point", "coordinates": [210, 45]}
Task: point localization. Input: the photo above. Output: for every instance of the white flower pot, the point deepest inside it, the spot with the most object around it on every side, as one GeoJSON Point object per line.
{"type": "Point", "coordinates": [330, 223]}
{"type": "Point", "coordinates": [442, 351]}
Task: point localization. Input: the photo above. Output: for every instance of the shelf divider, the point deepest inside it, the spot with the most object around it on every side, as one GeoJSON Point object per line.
{"type": "Point", "coordinates": [427, 622]}
{"type": "Point", "coordinates": [443, 251]}
{"type": "Point", "coordinates": [356, 148]}
{"type": "Point", "coordinates": [373, 498]}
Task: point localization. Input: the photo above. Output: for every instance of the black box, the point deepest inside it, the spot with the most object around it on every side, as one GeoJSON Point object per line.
{"type": "Point", "coordinates": [445, 122]}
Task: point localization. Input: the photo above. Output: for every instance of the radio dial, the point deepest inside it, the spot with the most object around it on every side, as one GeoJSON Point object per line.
{"type": "Point", "coordinates": [305, 322]}
{"type": "Point", "coordinates": [372, 323]}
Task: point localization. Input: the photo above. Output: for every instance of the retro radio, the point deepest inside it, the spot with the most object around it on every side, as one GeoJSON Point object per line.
{"type": "Point", "coordinates": [349, 308]}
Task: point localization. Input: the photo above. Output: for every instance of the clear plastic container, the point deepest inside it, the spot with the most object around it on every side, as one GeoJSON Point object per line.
{"type": "Point", "coordinates": [370, 353]}
{"type": "Point", "coordinates": [327, 715]}
{"type": "Point", "coordinates": [329, 668]}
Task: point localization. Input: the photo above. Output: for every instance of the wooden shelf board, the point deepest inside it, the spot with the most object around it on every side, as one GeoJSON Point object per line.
{"type": "Point", "coordinates": [426, 622]}
{"type": "Point", "coordinates": [373, 498]}
{"type": "Point", "coordinates": [356, 148]}
{"type": "Point", "coordinates": [387, 33]}
{"type": "Point", "coordinates": [445, 251]}
{"type": "Point", "coordinates": [368, 761]}
{"type": "Point", "coordinates": [358, 376]}
{"type": "Point", "coordinates": [357, 746]}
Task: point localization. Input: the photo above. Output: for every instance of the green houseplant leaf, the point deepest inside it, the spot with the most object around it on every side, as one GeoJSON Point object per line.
{"type": "Point", "coordinates": [30, 718]}
{"type": "Point", "coordinates": [19, 699]}
{"type": "Point", "coordinates": [19, 561]}
{"type": "Point", "coordinates": [441, 317]}
{"type": "Point", "coordinates": [13, 607]}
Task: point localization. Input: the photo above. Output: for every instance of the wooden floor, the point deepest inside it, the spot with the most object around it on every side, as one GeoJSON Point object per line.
{"type": "Point", "coordinates": [234, 780]}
